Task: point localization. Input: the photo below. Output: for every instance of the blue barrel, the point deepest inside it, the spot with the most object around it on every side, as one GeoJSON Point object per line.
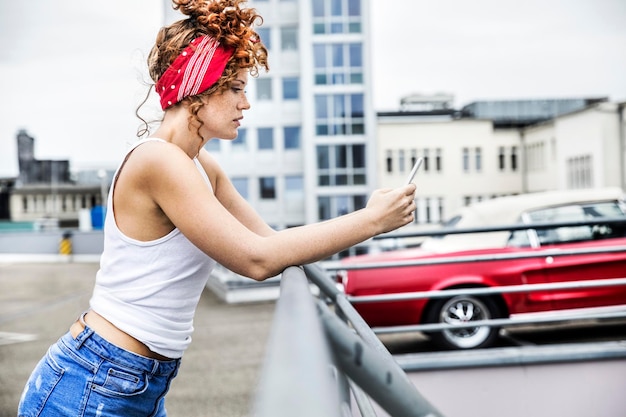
{"type": "Point", "coordinates": [97, 217]}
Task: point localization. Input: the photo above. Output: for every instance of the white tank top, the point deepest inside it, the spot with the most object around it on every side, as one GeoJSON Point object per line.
{"type": "Point", "coordinates": [150, 290]}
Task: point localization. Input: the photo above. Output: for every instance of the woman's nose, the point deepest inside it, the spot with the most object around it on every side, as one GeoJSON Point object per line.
{"type": "Point", "coordinates": [244, 104]}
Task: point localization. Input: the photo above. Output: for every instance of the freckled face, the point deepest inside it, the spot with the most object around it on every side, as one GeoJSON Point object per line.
{"type": "Point", "coordinates": [223, 112]}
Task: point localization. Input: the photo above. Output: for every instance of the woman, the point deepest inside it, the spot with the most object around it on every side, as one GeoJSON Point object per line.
{"type": "Point", "coordinates": [172, 214]}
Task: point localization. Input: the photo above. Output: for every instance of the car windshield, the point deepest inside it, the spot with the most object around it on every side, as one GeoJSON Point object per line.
{"type": "Point", "coordinates": [448, 224]}
{"type": "Point", "coordinates": [582, 212]}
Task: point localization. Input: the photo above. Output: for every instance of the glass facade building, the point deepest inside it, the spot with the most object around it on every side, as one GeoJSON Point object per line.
{"type": "Point", "coordinates": [306, 150]}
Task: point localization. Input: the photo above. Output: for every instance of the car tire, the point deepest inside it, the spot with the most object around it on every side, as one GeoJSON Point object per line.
{"type": "Point", "coordinates": [463, 309]}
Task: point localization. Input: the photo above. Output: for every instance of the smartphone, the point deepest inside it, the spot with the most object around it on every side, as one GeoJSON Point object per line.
{"type": "Point", "coordinates": [418, 163]}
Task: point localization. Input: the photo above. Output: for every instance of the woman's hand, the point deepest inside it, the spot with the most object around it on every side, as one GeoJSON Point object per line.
{"type": "Point", "coordinates": [393, 208]}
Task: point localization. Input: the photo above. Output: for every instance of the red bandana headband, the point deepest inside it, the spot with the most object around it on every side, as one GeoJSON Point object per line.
{"type": "Point", "coordinates": [196, 69]}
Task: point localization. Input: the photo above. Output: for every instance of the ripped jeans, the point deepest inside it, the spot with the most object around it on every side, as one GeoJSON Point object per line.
{"type": "Point", "coordinates": [88, 376]}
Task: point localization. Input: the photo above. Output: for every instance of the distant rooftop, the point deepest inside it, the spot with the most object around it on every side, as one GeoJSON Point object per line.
{"type": "Point", "coordinates": [503, 113]}
{"type": "Point", "coordinates": [511, 113]}
{"type": "Point", "coordinates": [427, 102]}
{"type": "Point", "coordinates": [424, 105]}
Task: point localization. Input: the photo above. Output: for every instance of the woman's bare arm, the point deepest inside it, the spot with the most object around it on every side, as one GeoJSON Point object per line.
{"type": "Point", "coordinates": [176, 186]}
{"type": "Point", "coordinates": [230, 198]}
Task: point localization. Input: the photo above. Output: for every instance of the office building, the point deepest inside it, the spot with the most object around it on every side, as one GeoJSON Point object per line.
{"type": "Point", "coordinates": [306, 149]}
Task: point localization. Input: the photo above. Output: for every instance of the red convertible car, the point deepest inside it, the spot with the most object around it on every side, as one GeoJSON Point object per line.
{"type": "Point", "coordinates": [572, 208]}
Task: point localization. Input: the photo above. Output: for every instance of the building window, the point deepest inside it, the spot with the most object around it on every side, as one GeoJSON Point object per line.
{"type": "Point", "coordinates": [530, 157]}
{"type": "Point", "coordinates": [478, 156]}
{"type": "Point", "coordinates": [401, 162]}
{"type": "Point", "coordinates": [535, 156]}
{"type": "Point", "coordinates": [294, 187]}
{"type": "Point", "coordinates": [465, 160]}
{"type": "Point", "coordinates": [263, 89]}
{"type": "Point", "coordinates": [336, 16]}
{"type": "Point", "coordinates": [323, 157]}
{"type": "Point", "coordinates": [320, 63]}
{"type": "Point", "coordinates": [354, 7]}
{"type": "Point", "coordinates": [440, 209]}
{"type": "Point", "coordinates": [267, 187]}
{"type": "Point", "coordinates": [341, 165]}
{"type": "Point", "coordinates": [323, 208]}
{"type": "Point", "coordinates": [291, 88]}
{"type": "Point", "coordinates": [292, 137]}
{"type": "Point", "coordinates": [501, 158]}
{"type": "Point", "coordinates": [266, 138]}
{"type": "Point", "coordinates": [355, 61]}
{"type": "Point", "coordinates": [339, 114]}
{"type": "Point", "coordinates": [331, 207]}
{"type": "Point", "coordinates": [579, 172]}
{"type": "Point", "coordinates": [289, 38]}
{"type": "Point", "coordinates": [241, 184]}
{"type": "Point", "coordinates": [338, 63]}
{"type": "Point", "coordinates": [426, 160]}
{"type": "Point", "coordinates": [241, 142]}
{"type": "Point", "coordinates": [264, 34]}
{"type": "Point", "coordinates": [389, 161]}
{"type": "Point", "coordinates": [514, 158]}
{"type": "Point", "coordinates": [438, 164]}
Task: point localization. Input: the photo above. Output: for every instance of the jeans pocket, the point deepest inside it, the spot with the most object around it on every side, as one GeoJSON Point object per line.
{"type": "Point", "coordinates": [122, 382]}
{"type": "Point", "coordinates": [118, 391]}
{"type": "Point", "coordinates": [39, 386]}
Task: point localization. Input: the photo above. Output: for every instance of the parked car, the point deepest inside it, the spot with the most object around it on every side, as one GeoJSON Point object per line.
{"type": "Point", "coordinates": [562, 206]}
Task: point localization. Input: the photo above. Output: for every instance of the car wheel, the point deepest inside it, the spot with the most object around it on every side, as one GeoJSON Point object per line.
{"type": "Point", "coordinates": [464, 309]}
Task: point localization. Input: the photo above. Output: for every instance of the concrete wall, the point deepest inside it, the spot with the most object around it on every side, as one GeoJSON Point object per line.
{"type": "Point", "coordinates": [581, 389]}
{"type": "Point", "coordinates": [47, 242]}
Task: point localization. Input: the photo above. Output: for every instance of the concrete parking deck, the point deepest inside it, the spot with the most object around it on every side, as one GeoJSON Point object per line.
{"type": "Point", "coordinates": [218, 374]}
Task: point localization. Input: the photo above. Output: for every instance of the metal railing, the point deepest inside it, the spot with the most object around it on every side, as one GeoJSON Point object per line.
{"type": "Point", "coordinates": [321, 359]}
{"type": "Point", "coordinates": [504, 228]}
{"type": "Point", "coordinates": [523, 288]}
{"type": "Point", "coordinates": [314, 359]}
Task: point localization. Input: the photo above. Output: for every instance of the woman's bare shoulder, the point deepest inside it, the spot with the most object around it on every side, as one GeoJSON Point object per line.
{"type": "Point", "coordinates": [156, 158]}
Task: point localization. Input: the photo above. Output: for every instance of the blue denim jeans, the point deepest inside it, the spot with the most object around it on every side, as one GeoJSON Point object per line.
{"type": "Point", "coordinates": [89, 376]}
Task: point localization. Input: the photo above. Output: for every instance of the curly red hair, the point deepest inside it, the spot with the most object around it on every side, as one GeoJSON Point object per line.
{"type": "Point", "coordinates": [225, 20]}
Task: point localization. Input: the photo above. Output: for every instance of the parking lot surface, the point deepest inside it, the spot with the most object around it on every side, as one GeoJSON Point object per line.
{"type": "Point", "coordinates": [219, 372]}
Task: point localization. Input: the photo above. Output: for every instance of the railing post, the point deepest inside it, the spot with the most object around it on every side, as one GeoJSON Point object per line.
{"type": "Point", "coordinates": [296, 377]}
{"type": "Point", "coordinates": [364, 358]}
{"type": "Point", "coordinates": [383, 381]}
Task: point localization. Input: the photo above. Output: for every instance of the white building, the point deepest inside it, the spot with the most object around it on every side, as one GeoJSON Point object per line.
{"type": "Point", "coordinates": [61, 203]}
{"type": "Point", "coordinates": [582, 149]}
{"type": "Point", "coordinates": [470, 159]}
{"type": "Point", "coordinates": [465, 160]}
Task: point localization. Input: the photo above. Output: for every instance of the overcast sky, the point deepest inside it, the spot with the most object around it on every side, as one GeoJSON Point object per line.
{"type": "Point", "coordinates": [71, 70]}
